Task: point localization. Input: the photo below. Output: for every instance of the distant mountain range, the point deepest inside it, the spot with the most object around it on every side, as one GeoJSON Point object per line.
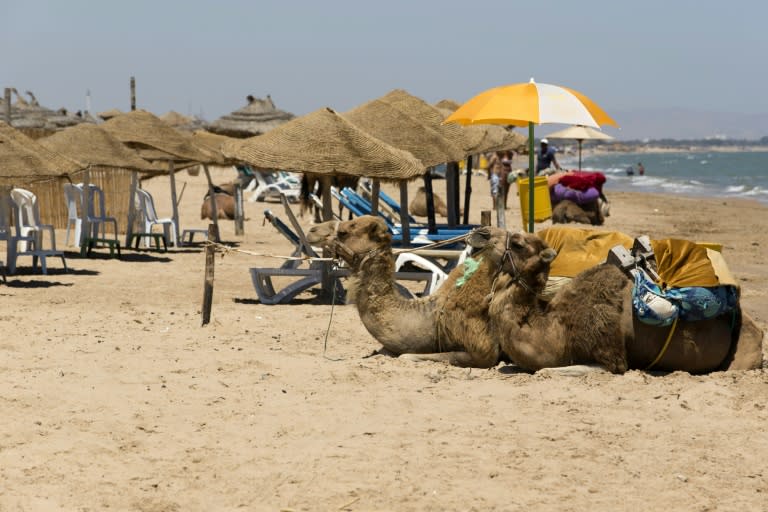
{"type": "Point", "coordinates": [687, 124]}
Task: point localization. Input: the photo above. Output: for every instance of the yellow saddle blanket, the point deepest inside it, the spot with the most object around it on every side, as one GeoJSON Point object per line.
{"type": "Point", "coordinates": [680, 262]}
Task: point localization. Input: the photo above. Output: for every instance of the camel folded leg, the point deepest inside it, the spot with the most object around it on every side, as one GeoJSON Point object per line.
{"type": "Point", "coordinates": [463, 359]}
{"type": "Point", "coordinates": [576, 370]}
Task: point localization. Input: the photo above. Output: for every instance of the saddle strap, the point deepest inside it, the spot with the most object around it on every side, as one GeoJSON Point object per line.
{"type": "Point", "coordinates": [666, 345]}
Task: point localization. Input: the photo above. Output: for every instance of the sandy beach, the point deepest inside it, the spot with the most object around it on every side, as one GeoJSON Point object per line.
{"type": "Point", "coordinates": [115, 398]}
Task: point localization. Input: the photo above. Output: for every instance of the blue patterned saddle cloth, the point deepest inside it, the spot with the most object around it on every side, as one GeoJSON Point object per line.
{"type": "Point", "coordinates": [689, 303]}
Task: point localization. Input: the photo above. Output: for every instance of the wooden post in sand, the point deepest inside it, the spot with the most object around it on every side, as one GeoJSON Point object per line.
{"type": "Point", "coordinates": [375, 187]}
{"type": "Point", "coordinates": [468, 190]}
{"type": "Point", "coordinates": [210, 259]}
{"type": "Point", "coordinates": [212, 198]}
{"type": "Point", "coordinates": [239, 214]}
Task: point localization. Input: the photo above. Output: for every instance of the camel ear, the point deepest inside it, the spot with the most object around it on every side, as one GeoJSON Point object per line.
{"type": "Point", "coordinates": [479, 238]}
{"type": "Point", "coordinates": [378, 232]}
{"type": "Point", "coordinates": [547, 255]}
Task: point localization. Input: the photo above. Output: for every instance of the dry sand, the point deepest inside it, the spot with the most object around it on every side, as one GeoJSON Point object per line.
{"type": "Point", "coordinates": [115, 398]}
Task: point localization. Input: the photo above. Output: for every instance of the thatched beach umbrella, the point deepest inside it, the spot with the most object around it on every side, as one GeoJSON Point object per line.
{"type": "Point", "coordinates": [23, 160]}
{"type": "Point", "coordinates": [93, 146]}
{"type": "Point", "coordinates": [324, 142]}
{"type": "Point", "coordinates": [157, 141]}
{"type": "Point", "coordinates": [400, 130]}
{"type": "Point", "coordinates": [182, 122]}
{"type": "Point", "coordinates": [404, 131]}
{"type": "Point", "coordinates": [110, 160]}
{"type": "Point", "coordinates": [109, 114]}
{"type": "Point", "coordinates": [257, 117]}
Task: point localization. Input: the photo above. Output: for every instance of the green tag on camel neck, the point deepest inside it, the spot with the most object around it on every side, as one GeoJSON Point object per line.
{"type": "Point", "coordinates": [470, 267]}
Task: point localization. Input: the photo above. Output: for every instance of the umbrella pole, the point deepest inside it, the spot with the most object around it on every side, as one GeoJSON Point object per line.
{"type": "Point", "coordinates": [531, 176]}
{"type": "Point", "coordinates": [468, 189]}
{"type": "Point", "coordinates": [580, 141]}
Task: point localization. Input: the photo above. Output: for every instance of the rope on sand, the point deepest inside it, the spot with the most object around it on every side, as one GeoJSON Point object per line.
{"type": "Point", "coordinates": [227, 249]}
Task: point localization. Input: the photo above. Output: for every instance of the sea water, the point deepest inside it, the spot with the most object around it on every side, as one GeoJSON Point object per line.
{"type": "Point", "coordinates": [708, 174]}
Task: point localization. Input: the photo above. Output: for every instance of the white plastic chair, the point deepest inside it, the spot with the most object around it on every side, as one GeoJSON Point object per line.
{"type": "Point", "coordinates": [267, 185]}
{"type": "Point", "coordinates": [438, 276]}
{"type": "Point", "coordinates": [29, 239]}
{"type": "Point", "coordinates": [99, 222]}
{"type": "Point", "coordinates": [149, 217]}
{"type": "Point", "coordinates": [73, 196]}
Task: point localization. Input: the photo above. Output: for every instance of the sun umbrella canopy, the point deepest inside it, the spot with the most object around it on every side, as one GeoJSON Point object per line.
{"type": "Point", "coordinates": [401, 130]}
{"type": "Point", "coordinates": [155, 139]}
{"type": "Point", "coordinates": [520, 104]}
{"type": "Point", "coordinates": [529, 104]}
{"type": "Point", "coordinates": [24, 160]}
{"type": "Point", "coordinates": [324, 142]}
{"type": "Point", "coordinates": [580, 133]}
{"type": "Point", "coordinates": [91, 145]}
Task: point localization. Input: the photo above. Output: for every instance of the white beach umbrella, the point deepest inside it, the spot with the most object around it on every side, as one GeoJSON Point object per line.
{"type": "Point", "coordinates": [580, 133]}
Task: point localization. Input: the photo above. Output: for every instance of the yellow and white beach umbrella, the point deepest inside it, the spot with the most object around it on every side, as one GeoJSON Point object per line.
{"type": "Point", "coordinates": [528, 104]}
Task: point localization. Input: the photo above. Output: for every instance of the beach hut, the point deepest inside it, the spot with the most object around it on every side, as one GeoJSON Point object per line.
{"type": "Point", "coordinates": [167, 149]}
{"type": "Point", "coordinates": [258, 116]}
{"type": "Point", "coordinates": [36, 121]}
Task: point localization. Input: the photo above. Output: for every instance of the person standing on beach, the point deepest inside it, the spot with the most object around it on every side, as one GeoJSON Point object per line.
{"type": "Point", "coordinates": [546, 157]}
{"type": "Point", "coordinates": [506, 172]}
{"type": "Point", "coordinates": [495, 169]}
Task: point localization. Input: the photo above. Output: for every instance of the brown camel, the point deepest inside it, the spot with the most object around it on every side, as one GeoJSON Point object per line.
{"type": "Point", "coordinates": [567, 211]}
{"type": "Point", "coordinates": [450, 325]}
{"type": "Point", "coordinates": [418, 205]}
{"type": "Point", "coordinates": [225, 207]}
{"type": "Point", "coordinates": [591, 320]}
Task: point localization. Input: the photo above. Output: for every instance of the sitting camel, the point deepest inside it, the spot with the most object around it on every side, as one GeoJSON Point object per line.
{"type": "Point", "coordinates": [225, 206]}
{"type": "Point", "coordinates": [418, 206]}
{"type": "Point", "coordinates": [450, 325]}
{"type": "Point", "coordinates": [567, 211]}
{"type": "Point", "coordinates": [591, 320]}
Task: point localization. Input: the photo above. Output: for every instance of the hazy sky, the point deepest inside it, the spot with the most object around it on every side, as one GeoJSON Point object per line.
{"type": "Point", "coordinates": [200, 57]}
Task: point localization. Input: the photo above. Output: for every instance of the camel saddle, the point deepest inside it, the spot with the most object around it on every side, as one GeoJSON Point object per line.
{"type": "Point", "coordinates": [681, 263]}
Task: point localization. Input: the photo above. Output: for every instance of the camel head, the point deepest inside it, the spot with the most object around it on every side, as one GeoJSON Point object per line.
{"type": "Point", "coordinates": [524, 256]}
{"type": "Point", "coordinates": [352, 239]}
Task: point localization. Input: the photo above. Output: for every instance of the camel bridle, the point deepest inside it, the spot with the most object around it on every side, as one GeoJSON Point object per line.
{"type": "Point", "coordinates": [515, 273]}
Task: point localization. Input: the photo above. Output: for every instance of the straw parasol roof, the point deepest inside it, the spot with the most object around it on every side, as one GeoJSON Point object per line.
{"type": "Point", "coordinates": [257, 117]}
{"type": "Point", "coordinates": [109, 114]}
{"type": "Point", "coordinates": [156, 140]}
{"type": "Point", "coordinates": [24, 160]}
{"type": "Point", "coordinates": [485, 137]}
{"type": "Point", "coordinates": [448, 105]}
{"type": "Point", "coordinates": [430, 116]}
{"type": "Point", "coordinates": [402, 131]}
{"type": "Point", "coordinates": [324, 142]}
{"type": "Point", "coordinates": [91, 145]}
{"type": "Point", "coordinates": [182, 122]}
